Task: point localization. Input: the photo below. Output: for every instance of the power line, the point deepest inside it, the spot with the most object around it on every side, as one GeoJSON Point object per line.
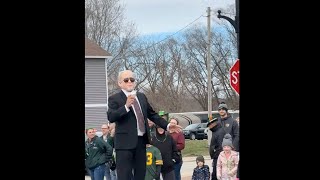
{"type": "Point", "coordinates": [173, 33]}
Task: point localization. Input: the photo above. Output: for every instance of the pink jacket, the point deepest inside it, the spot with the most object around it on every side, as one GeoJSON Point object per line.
{"type": "Point", "coordinates": [227, 168]}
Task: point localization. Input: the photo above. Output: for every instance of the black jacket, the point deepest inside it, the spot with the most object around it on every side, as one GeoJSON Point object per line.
{"type": "Point", "coordinates": [216, 141]}
{"type": "Point", "coordinates": [126, 135]}
{"type": "Point", "coordinates": [167, 146]}
{"type": "Point", "coordinates": [229, 125]}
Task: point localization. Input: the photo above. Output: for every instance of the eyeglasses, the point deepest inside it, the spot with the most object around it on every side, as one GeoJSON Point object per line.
{"type": "Point", "coordinates": [127, 80]}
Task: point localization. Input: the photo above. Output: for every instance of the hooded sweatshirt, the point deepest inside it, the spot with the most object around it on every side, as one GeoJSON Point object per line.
{"type": "Point", "coordinates": [167, 146]}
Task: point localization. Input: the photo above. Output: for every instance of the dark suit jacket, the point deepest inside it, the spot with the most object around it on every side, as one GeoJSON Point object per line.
{"type": "Point", "coordinates": [126, 135]}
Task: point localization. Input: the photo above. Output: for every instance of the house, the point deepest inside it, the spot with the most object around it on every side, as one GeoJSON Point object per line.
{"type": "Point", "coordinates": [96, 88]}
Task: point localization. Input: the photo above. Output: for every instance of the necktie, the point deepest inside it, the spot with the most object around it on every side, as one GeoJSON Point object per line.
{"type": "Point", "coordinates": [139, 114]}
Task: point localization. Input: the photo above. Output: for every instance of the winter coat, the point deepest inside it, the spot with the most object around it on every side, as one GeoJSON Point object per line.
{"type": "Point", "coordinates": [227, 167]}
{"type": "Point", "coordinates": [230, 126]}
{"type": "Point", "coordinates": [202, 173]}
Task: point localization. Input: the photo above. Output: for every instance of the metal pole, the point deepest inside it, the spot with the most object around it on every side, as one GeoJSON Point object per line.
{"type": "Point", "coordinates": [209, 67]}
{"type": "Point", "coordinates": [209, 133]}
{"type": "Point", "coordinates": [235, 23]}
{"type": "Point", "coordinates": [238, 27]}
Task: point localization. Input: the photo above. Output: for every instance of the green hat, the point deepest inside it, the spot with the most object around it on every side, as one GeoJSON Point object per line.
{"type": "Point", "coordinates": [161, 113]}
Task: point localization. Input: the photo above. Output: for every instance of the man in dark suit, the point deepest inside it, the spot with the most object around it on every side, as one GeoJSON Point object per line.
{"type": "Point", "coordinates": [129, 110]}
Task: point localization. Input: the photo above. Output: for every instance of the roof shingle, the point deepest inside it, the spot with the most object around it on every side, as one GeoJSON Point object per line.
{"type": "Point", "coordinates": [92, 49]}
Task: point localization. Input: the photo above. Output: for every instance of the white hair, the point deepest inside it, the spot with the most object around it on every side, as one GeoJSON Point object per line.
{"type": "Point", "coordinates": [121, 72]}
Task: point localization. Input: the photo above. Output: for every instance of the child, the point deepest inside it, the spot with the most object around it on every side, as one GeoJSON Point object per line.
{"type": "Point", "coordinates": [227, 163]}
{"type": "Point", "coordinates": [154, 163]}
{"type": "Point", "coordinates": [201, 172]}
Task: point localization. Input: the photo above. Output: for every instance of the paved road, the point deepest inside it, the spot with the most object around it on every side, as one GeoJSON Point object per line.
{"type": "Point", "coordinates": [189, 163]}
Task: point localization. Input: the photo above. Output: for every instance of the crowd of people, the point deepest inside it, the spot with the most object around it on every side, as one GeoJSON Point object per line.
{"type": "Point", "coordinates": [139, 144]}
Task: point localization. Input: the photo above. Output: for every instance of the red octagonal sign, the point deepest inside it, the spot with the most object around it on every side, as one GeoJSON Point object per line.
{"type": "Point", "coordinates": [234, 76]}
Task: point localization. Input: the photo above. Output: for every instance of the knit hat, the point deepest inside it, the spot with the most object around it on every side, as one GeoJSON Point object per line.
{"type": "Point", "coordinates": [227, 141]}
{"type": "Point", "coordinates": [200, 158]}
{"type": "Point", "coordinates": [223, 106]}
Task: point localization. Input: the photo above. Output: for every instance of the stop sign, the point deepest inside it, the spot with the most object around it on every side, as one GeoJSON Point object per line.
{"type": "Point", "coordinates": [234, 76]}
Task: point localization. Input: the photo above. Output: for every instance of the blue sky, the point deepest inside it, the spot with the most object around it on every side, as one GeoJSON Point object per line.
{"type": "Point", "coordinates": [161, 36]}
{"type": "Point", "coordinates": [157, 17]}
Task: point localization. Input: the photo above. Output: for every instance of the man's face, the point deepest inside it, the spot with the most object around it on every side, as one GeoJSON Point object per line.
{"type": "Point", "coordinates": [104, 129]}
{"type": "Point", "coordinates": [125, 81]}
{"type": "Point", "coordinates": [222, 112]}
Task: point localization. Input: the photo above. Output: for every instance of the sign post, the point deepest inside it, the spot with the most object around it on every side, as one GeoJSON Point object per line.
{"type": "Point", "coordinates": [235, 77]}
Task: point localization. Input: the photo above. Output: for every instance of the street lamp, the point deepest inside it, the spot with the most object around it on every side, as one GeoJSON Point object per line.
{"type": "Point", "coordinates": [235, 23]}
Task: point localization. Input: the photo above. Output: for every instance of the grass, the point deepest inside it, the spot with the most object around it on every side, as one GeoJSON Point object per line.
{"type": "Point", "coordinates": [195, 148]}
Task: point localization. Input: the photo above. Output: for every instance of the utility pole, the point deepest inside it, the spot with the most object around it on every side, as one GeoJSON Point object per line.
{"type": "Point", "coordinates": [209, 133]}
{"type": "Point", "coordinates": [209, 66]}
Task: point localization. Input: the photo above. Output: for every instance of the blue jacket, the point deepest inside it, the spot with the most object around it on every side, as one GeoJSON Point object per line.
{"type": "Point", "coordinates": [201, 173]}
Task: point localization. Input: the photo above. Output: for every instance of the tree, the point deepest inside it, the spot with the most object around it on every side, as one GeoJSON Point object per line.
{"type": "Point", "coordinates": [105, 24]}
{"type": "Point", "coordinates": [172, 72]}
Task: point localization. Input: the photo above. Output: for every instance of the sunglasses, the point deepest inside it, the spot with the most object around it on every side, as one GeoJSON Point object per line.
{"type": "Point", "coordinates": [127, 80]}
